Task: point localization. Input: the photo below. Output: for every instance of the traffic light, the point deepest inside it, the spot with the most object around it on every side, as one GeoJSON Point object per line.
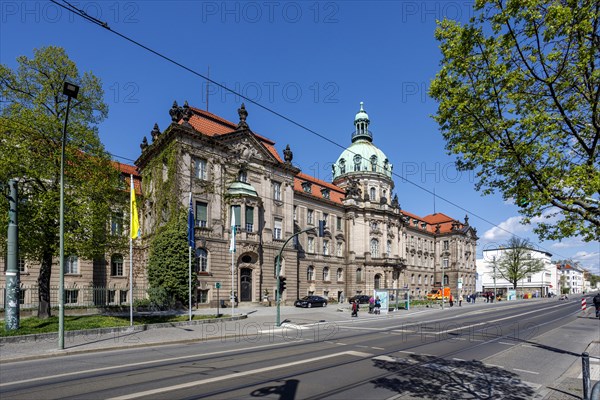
{"type": "Point", "coordinates": [281, 284]}
{"type": "Point", "coordinates": [321, 228]}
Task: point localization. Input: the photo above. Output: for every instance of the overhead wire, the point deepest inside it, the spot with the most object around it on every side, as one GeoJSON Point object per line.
{"type": "Point", "coordinates": [81, 13]}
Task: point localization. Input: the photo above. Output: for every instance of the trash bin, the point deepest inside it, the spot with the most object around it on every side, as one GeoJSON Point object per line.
{"type": "Point", "coordinates": [223, 304]}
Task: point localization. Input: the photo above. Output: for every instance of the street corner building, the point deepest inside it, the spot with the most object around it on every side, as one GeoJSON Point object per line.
{"type": "Point", "coordinates": [236, 174]}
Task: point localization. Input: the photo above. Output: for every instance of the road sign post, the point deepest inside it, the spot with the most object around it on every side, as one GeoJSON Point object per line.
{"type": "Point", "coordinates": [218, 286]}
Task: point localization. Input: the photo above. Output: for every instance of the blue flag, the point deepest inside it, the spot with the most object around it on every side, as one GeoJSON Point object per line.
{"type": "Point", "coordinates": [191, 235]}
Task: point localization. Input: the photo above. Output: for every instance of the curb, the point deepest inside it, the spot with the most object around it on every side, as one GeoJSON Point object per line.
{"type": "Point", "coordinates": [122, 329]}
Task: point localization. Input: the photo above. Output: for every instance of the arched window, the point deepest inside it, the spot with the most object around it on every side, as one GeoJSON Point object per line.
{"type": "Point", "coordinates": [342, 166]}
{"type": "Point", "coordinates": [116, 265]}
{"type": "Point", "coordinates": [388, 249]}
{"type": "Point", "coordinates": [310, 273]}
{"type": "Point", "coordinates": [419, 279]}
{"type": "Point", "coordinates": [242, 176]}
{"type": "Point", "coordinates": [431, 280]}
{"type": "Point", "coordinates": [446, 280]}
{"type": "Point", "coordinates": [201, 260]}
{"type": "Point", "coordinates": [374, 248]}
{"type": "Point", "coordinates": [340, 274]}
{"type": "Point", "coordinates": [372, 193]}
{"type": "Point", "coordinates": [326, 277]}
{"type": "Point", "coordinates": [412, 278]}
{"type": "Point", "coordinates": [377, 281]}
{"type": "Point", "coordinates": [359, 277]}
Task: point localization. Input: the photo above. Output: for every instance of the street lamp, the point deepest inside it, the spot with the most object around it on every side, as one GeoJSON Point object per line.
{"type": "Point", "coordinates": [70, 90]}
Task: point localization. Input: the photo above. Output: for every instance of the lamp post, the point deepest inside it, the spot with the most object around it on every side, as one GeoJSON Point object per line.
{"type": "Point", "coordinates": [494, 277]}
{"type": "Point", "coordinates": [12, 312]}
{"type": "Point", "coordinates": [70, 90]}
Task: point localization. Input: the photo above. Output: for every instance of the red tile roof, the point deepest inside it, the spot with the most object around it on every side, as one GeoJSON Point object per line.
{"type": "Point", "coordinates": [128, 170]}
{"type": "Point", "coordinates": [336, 194]}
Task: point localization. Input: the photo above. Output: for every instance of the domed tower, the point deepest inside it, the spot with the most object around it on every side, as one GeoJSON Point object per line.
{"type": "Point", "coordinates": [364, 166]}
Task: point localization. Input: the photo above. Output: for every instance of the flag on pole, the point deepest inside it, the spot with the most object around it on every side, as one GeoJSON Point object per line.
{"type": "Point", "coordinates": [191, 235]}
{"type": "Point", "coordinates": [232, 243]}
{"type": "Point", "coordinates": [134, 223]}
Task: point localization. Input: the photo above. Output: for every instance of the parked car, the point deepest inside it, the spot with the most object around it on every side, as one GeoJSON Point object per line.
{"type": "Point", "coordinates": [362, 299]}
{"type": "Point", "coordinates": [311, 301]}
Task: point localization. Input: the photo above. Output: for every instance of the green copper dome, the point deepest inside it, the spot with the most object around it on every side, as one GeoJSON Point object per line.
{"type": "Point", "coordinates": [238, 188]}
{"type": "Point", "coordinates": [362, 155]}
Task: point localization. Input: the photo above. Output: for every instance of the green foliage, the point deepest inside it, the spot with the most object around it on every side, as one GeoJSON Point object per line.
{"type": "Point", "coordinates": [31, 128]}
{"type": "Point", "coordinates": [168, 263]}
{"type": "Point", "coordinates": [516, 262]}
{"type": "Point", "coordinates": [159, 298]}
{"type": "Point", "coordinates": [519, 93]}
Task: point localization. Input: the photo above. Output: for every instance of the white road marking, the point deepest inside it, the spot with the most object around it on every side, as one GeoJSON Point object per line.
{"type": "Point", "coordinates": [506, 343]}
{"type": "Point", "coordinates": [41, 378]}
{"type": "Point", "coordinates": [458, 359]}
{"type": "Point", "coordinates": [341, 344]}
{"type": "Point", "coordinates": [406, 352]}
{"type": "Point", "coordinates": [385, 358]}
{"type": "Point", "coordinates": [236, 375]}
{"type": "Point", "coordinates": [526, 371]}
{"type": "Point", "coordinates": [377, 348]}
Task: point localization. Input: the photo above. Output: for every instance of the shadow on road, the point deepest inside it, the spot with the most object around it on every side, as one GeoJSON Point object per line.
{"type": "Point", "coordinates": [428, 377]}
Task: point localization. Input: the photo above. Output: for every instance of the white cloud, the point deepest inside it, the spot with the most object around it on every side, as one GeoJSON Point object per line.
{"type": "Point", "coordinates": [506, 229]}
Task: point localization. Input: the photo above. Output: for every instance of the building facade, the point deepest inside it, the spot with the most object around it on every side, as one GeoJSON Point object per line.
{"type": "Point", "coordinates": [539, 284]}
{"type": "Point", "coordinates": [234, 173]}
{"type": "Point", "coordinates": [369, 241]}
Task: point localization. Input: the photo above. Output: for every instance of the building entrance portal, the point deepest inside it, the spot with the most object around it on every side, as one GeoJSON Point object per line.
{"type": "Point", "coordinates": [246, 284]}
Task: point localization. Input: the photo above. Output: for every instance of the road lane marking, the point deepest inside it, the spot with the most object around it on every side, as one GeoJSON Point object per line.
{"type": "Point", "coordinates": [506, 343]}
{"type": "Point", "coordinates": [406, 352]}
{"type": "Point", "coordinates": [377, 348]}
{"type": "Point", "coordinates": [88, 371]}
{"type": "Point", "coordinates": [458, 359]}
{"type": "Point", "coordinates": [526, 371]}
{"type": "Point", "coordinates": [236, 375]}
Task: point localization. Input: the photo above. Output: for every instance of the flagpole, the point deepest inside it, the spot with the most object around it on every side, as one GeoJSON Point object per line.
{"type": "Point", "coordinates": [130, 281]}
{"type": "Point", "coordinates": [190, 283]}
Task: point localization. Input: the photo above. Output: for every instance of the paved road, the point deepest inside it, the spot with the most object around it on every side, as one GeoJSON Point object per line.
{"type": "Point", "coordinates": [421, 353]}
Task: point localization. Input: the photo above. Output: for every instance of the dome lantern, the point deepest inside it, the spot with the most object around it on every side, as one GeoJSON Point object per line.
{"type": "Point", "coordinates": [361, 124]}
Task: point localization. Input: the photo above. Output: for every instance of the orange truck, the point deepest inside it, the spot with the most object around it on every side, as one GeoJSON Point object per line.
{"type": "Point", "coordinates": [436, 294]}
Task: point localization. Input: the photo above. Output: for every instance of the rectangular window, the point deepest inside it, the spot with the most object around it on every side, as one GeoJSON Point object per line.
{"type": "Point", "coordinates": [201, 214]}
{"type": "Point", "coordinates": [325, 218]}
{"type": "Point", "coordinates": [277, 229]}
{"type": "Point", "coordinates": [338, 249]}
{"type": "Point", "coordinates": [445, 263]}
{"type": "Point", "coordinates": [295, 213]}
{"type": "Point", "coordinates": [71, 265]}
{"type": "Point", "coordinates": [122, 296]}
{"type": "Point", "coordinates": [71, 296]}
{"type": "Point", "coordinates": [202, 296]}
{"type": "Point", "coordinates": [116, 223]}
{"type": "Point", "coordinates": [22, 296]}
{"type": "Point", "coordinates": [116, 266]}
{"type": "Point", "coordinates": [21, 262]}
{"type": "Point", "coordinates": [325, 247]}
{"type": "Point", "coordinates": [311, 245]}
{"type": "Point", "coordinates": [446, 245]}
{"type": "Point", "coordinates": [277, 191]}
{"type": "Point", "coordinates": [339, 223]}
{"type": "Point", "coordinates": [310, 217]}
{"type": "Point", "coordinates": [111, 296]}
{"type": "Point", "coordinates": [237, 210]}
{"type": "Point", "coordinates": [529, 279]}
{"type": "Point", "coordinates": [249, 219]}
{"type": "Point", "coordinates": [200, 169]}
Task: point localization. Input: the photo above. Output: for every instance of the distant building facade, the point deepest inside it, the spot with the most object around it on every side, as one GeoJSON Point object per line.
{"type": "Point", "coordinates": [541, 283]}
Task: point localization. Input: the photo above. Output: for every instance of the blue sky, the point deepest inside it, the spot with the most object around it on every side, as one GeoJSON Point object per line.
{"type": "Point", "coordinates": [312, 61]}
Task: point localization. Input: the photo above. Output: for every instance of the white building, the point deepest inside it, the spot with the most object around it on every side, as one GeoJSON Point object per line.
{"type": "Point", "coordinates": [571, 278]}
{"type": "Point", "coordinates": [539, 284]}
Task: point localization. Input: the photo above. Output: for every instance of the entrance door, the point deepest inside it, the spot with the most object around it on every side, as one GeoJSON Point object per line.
{"type": "Point", "coordinates": [245, 284]}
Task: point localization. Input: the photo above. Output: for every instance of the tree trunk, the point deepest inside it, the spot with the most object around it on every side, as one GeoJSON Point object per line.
{"type": "Point", "coordinates": [44, 309]}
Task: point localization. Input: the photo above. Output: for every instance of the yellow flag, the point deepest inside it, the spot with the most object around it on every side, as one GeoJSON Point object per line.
{"type": "Point", "coordinates": [134, 225]}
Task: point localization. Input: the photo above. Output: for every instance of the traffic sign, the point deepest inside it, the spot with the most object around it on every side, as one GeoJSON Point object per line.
{"type": "Point", "coordinates": [218, 285]}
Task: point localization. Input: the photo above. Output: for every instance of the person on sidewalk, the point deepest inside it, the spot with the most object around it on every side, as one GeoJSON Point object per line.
{"type": "Point", "coordinates": [377, 306]}
{"type": "Point", "coordinates": [460, 299]}
{"type": "Point", "coordinates": [355, 308]}
{"type": "Point", "coordinates": [451, 300]}
{"type": "Point", "coordinates": [371, 304]}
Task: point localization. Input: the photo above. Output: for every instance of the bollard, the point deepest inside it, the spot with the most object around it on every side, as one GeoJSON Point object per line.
{"type": "Point", "coordinates": [583, 304]}
{"type": "Point", "coordinates": [585, 370]}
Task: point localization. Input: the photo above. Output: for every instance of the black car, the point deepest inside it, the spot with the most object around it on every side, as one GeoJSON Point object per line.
{"type": "Point", "coordinates": [311, 301]}
{"type": "Point", "coordinates": [362, 299]}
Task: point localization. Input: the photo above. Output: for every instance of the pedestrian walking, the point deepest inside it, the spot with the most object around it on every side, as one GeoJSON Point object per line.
{"type": "Point", "coordinates": [451, 300]}
{"type": "Point", "coordinates": [371, 304]}
{"type": "Point", "coordinates": [355, 308]}
{"type": "Point", "coordinates": [460, 299]}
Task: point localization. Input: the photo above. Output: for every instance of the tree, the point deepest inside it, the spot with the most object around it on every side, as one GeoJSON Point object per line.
{"type": "Point", "coordinates": [31, 126]}
{"type": "Point", "coordinates": [516, 262]}
{"type": "Point", "coordinates": [519, 92]}
{"type": "Point", "coordinates": [168, 261]}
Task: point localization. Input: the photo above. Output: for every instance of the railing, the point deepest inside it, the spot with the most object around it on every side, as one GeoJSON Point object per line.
{"type": "Point", "coordinates": [85, 296]}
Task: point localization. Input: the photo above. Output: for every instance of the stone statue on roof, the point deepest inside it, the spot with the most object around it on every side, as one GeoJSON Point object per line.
{"type": "Point", "coordinates": [243, 115]}
{"type": "Point", "coordinates": [288, 155]}
{"type": "Point", "coordinates": [353, 190]}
